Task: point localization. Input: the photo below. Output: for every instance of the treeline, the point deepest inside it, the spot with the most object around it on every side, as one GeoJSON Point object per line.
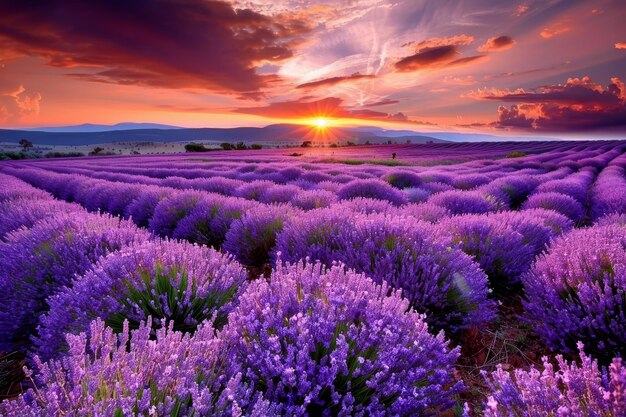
{"type": "Point", "coordinates": [239, 146]}
{"type": "Point", "coordinates": [4, 156]}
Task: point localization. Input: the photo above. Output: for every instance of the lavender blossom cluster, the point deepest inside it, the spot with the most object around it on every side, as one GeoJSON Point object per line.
{"type": "Point", "coordinates": [325, 341]}
{"type": "Point", "coordinates": [571, 390]}
{"type": "Point", "coordinates": [576, 291]}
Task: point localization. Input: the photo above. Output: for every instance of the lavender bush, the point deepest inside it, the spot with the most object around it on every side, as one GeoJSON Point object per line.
{"type": "Point", "coordinates": [319, 341]}
{"type": "Point", "coordinates": [142, 372]}
{"type": "Point", "coordinates": [40, 261]}
{"type": "Point", "coordinates": [576, 291]}
{"type": "Point", "coordinates": [174, 282]}
{"type": "Point", "coordinates": [558, 202]}
{"type": "Point", "coordinates": [408, 254]}
{"type": "Point", "coordinates": [371, 188]}
{"type": "Point", "coordinates": [572, 390]}
{"type": "Point", "coordinates": [253, 237]}
{"type": "Point", "coordinates": [464, 202]}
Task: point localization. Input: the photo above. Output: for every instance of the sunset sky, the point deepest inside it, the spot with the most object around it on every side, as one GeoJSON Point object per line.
{"type": "Point", "coordinates": [544, 67]}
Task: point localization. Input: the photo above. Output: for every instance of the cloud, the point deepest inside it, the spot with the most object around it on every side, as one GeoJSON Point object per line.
{"type": "Point", "coordinates": [385, 102]}
{"type": "Point", "coordinates": [17, 103]}
{"type": "Point", "coordinates": [437, 53]}
{"type": "Point", "coordinates": [578, 105]}
{"type": "Point", "coordinates": [620, 45]}
{"type": "Point", "coordinates": [204, 44]}
{"type": "Point", "coordinates": [427, 57]}
{"type": "Point", "coordinates": [449, 40]}
{"type": "Point", "coordinates": [497, 43]}
{"type": "Point", "coordinates": [576, 91]}
{"type": "Point", "coordinates": [521, 9]}
{"type": "Point", "coordinates": [336, 80]}
{"type": "Point", "coordinates": [333, 107]}
{"type": "Point", "coordinates": [466, 60]}
{"type": "Point", "coordinates": [558, 29]}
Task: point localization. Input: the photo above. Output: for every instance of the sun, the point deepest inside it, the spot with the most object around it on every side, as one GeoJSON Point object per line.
{"type": "Point", "coordinates": [320, 123]}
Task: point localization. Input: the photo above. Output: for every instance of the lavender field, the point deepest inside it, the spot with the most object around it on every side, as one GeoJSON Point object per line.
{"type": "Point", "coordinates": [452, 280]}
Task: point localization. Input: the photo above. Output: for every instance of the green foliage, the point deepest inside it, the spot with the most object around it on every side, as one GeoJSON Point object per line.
{"type": "Point", "coordinates": [195, 147]}
{"type": "Point", "coordinates": [516, 154]}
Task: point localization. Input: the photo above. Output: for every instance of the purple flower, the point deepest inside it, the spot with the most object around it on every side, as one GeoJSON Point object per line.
{"type": "Point", "coordinates": [403, 179]}
{"type": "Point", "coordinates": [169, 211]}
{"type": "Point", "coordinates": [141, 209]}
{"type": "Point", "coordinates": [211, 219]}
{"type": "Point", "coordinates": [371, 188]}
{"type": "Point", "coordinates": [406, 253]}
{"type": "Point", "coordinates": [25, 212]}
{"type": "Point", "coordinates": [279, 194]}
{"type": "Point", "coordinates": [312, 199]}
{"type": "Point", "coordinates": [171, 281]}
{"type": "Point", "coordinates": [253, 237]}
{"type": "Point", "coordinates": [511, 190]}
{"type": "Point", "coordinates": [608, 194]}
{"type": "Point", "coordinates": [576, 291]}
{"type": "Point", "coordinates": [501, 251]}
{"type": "Point", "coordinates": [558, 202]}
{"type": "Point", "coordinates": [143, 372]}
{"type": "Point", "coordinates": [464, 202]}
{"type": "Point", "coordinates": [319, 341]}
{"type": "Point", "coordinates": [470, 181]}
{"type": "Point", "coordinates": [572, 390]}
{"type": "Point", "coordinates": [40, 261]}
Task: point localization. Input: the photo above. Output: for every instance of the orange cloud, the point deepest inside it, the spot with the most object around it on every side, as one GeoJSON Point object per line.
{"type": "Point", "coordinates": [17, 103]}
{"type": "Point", "coordinates": [556, 30]}
{"type": "Point", "coordinates": [620, 45]}
{"type": "Point", "coordinates": [449, 40]}
{"type": "Point", "coordinates": [497, 43]}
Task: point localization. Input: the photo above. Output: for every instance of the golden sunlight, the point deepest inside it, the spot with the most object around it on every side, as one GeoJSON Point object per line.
{"type": "Point", "coordinates": [321, 123]}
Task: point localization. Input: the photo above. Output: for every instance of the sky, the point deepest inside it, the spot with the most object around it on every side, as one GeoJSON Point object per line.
{"type": "Point", "coordinates": [545, 67]}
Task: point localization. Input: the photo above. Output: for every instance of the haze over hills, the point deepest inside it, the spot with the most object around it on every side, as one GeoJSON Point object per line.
{"type": "Point", "coordinates": [90, 134]}
{"type": "Point", "coordinates": [90, 127]}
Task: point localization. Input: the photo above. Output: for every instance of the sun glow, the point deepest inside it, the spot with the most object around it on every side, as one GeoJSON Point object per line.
{"type": "Point", "coordinates": [321, 123]}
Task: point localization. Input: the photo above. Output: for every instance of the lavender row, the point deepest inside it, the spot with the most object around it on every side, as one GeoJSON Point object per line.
{"type": "Point", "coordinates": [288, 346]}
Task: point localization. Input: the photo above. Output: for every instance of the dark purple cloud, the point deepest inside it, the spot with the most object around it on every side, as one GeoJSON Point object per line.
{"type": "Point", "coordinates": [385, 102]}
{"type": "Point", "coordinates": [192, 44]}
{"type": "Point", "coordinates": [578, 105]}
{"type": "Point", "coordinates": [427, 57]}
{"type": "Point", "coordinates": [335, 80]}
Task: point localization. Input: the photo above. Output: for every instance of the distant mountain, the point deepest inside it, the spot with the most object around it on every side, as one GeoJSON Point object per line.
{"type": "Point", "coordinates": [88, 127]}
{"type": "Point", "coordinates": [276, 133]}
{"type": "Point", "coordinates": [480, 137]}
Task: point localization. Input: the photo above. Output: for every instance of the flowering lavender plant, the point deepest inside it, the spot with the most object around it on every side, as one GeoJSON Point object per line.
{"type": "Point", "coordinates": [576, 291]}
{"type": "Point", "coordinates": [169, 211]}
{"type": "Point", "coordinates": [572, 390]}
{"type": "Point", "coordinates": [142, 372]}
{"type": "Point", "coordinates": [211, 219]}
{"type": "Point", "coordinates": [253, 237]}
{"type": "Point", "coordinates": [404, 252]}
{"type": "Point", "coordinates": [40, 261]}
{"type": "Point", "coordinates": [464, 202]}
{"type": "Point", "coordinates": [371, 188]}
{"type": "Point", "coordinates": [502, 252]}
{"type": "Point", "coordinates": [558, 202]}
{"type": "Point", "coordinates": [322, 341]}
{"type": "Point", "coordinates": [171, 281]}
